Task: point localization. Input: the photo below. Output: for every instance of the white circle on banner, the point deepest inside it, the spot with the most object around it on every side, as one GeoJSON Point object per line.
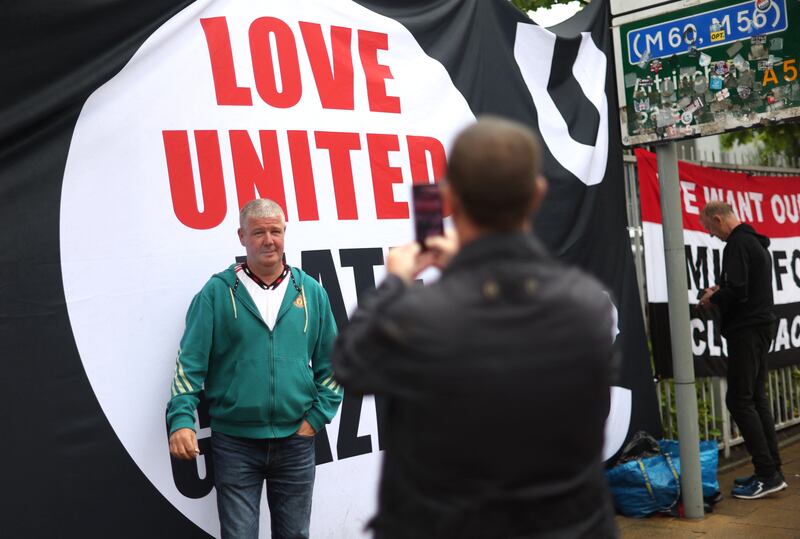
{"type": "Point", "coordinates": [130, 266]}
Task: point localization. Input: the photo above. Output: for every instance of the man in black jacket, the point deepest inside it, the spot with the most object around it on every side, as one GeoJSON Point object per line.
{"type": "Point", "coordinates": [496, 378]}
{"type": "Point", "coordinates": [744, 298]}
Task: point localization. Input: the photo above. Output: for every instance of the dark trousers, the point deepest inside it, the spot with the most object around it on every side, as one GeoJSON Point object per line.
{"type": "Point", "coordinates": [240, 467]}
{"type": "Point", "coordinates": [747, 398]}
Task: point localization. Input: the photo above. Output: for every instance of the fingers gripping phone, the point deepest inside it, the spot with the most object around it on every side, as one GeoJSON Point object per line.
{"type": "Point", "coordinates": [428, 214]}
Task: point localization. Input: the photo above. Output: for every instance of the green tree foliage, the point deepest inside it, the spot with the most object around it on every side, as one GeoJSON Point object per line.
{"type": "Point", "coordinates": [774, 140]}
{"type": "Point", "coordinates": [530, 5]}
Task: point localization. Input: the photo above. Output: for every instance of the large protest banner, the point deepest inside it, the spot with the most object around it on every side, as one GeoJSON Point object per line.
{"type": "Point", "coordinates": [772, 206]}
{"type": "Point", "coordinates": [131, 135]}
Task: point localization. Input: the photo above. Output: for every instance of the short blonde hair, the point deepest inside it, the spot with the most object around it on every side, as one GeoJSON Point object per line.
{"type": "Point", "coordinates": [260, 207]}
{"type": "Point", "coordinates": [717, 207]}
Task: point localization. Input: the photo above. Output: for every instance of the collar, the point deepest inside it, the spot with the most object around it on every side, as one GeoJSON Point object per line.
{"type": "Point", "coordinates": [497, 246]}
{"type": "Point", "coordinates": [266, 286]}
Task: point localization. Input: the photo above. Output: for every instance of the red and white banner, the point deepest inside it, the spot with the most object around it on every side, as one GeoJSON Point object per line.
{"type": "Point", "coordinates": [771, 205]}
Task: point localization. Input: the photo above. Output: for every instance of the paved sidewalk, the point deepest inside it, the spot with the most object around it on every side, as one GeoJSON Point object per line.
{"type": "Point", "coordinates": [774, 517]}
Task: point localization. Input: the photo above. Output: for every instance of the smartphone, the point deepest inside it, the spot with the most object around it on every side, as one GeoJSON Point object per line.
{"type": "Point", "coordinates": [428, 215]}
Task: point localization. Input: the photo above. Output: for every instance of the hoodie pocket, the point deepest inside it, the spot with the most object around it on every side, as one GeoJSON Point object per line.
{"type": "Point", "coordinates": [246, 398]}
{"type": "Point", "coordinates": [294, 389]}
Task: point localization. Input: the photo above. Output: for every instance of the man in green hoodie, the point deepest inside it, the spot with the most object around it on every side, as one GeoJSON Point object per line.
{"type": "Point", "coordinates": [258, 340]}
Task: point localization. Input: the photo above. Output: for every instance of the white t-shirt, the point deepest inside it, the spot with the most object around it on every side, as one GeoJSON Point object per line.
{"type": "Point", "coordinates": [267, 301]}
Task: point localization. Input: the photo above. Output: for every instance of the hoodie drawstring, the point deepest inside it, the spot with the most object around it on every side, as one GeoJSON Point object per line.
{"type": "Point", "coordinates": [233, 304]}
{"type": "Point", "coordinates": [305, 308]}
{"type": "Point", "coordinates": [302, 291]}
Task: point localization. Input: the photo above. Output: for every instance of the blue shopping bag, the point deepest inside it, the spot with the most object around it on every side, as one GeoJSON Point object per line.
{"type": "Point", "coordinates": [709, 460]}
{"type": "Point", "coordinates": [645, 486]}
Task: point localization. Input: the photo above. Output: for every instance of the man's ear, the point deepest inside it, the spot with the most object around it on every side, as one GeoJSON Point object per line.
{"type": "Point", "coordinates": [539, 192]}
{"type": "Point", "coordinates": [241, 236]}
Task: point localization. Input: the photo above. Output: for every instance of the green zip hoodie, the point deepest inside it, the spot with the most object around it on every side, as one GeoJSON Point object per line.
{"type": "Point", "coordinates": [259, 383]}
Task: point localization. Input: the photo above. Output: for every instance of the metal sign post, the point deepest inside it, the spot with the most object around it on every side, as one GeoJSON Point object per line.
{"type": "Point", "coordinates": [682, 359]}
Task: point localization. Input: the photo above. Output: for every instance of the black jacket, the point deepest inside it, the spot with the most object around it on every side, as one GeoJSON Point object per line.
{"type": "Point", "coordinates": [745, 288]}
{"type": "Point", "coordinates": [496, 381]}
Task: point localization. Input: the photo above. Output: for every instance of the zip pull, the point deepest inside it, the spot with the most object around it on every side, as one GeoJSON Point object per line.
{"type": "Point", "coordinates": [233, 304]}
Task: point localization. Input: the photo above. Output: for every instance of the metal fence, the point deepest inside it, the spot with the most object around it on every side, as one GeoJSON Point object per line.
{"type": "Point", "coordinates": [783, 390]}
{"type": "Point", "coordinates": [715, 422]}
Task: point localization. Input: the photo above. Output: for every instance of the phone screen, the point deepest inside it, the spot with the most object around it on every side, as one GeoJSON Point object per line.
{"type": "Point", "coordinates": [428, 218]}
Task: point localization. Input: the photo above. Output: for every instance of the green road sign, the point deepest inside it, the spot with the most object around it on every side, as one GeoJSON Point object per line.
{"type": "Point", "coordinates": [694, 68]}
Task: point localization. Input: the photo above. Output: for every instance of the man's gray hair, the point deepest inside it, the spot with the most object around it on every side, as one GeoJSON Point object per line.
{"type": "Point", "coordinates": [717, 207]}
{"type": "Point", "coordinates": [260, 207]}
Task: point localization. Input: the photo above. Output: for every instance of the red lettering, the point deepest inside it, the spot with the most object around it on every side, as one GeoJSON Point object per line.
{"type": "Point", "coordinates": [303, 175]}
{"type": "Point", "coordinates": [339, 145]}
{"type": "Point", "coordinates": [384, 176]}
{"type": "Point", "coordinates": [369, 43]}
{"type": "Point", "coordinates": [258, 172]}
{"type": "Point", "coordinates": [181, 179]}
{"type": "Point", "coordinates": [333, 73]}
{"type": "Point", "coordinates": [219, 52]}
{"type": "Point", "coordinates": [264, 69]}
{"type": "Point", "coordinates": [419, 148]}
{"type": "Point", "coordinates": [254, 175]}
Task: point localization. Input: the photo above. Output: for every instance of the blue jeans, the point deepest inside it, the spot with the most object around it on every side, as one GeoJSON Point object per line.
{"type": "Point", "coordinates": [240, 467]}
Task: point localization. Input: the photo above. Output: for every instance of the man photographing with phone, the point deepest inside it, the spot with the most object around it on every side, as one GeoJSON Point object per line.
{"type": "Point", "coordinates": [497, 377]}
